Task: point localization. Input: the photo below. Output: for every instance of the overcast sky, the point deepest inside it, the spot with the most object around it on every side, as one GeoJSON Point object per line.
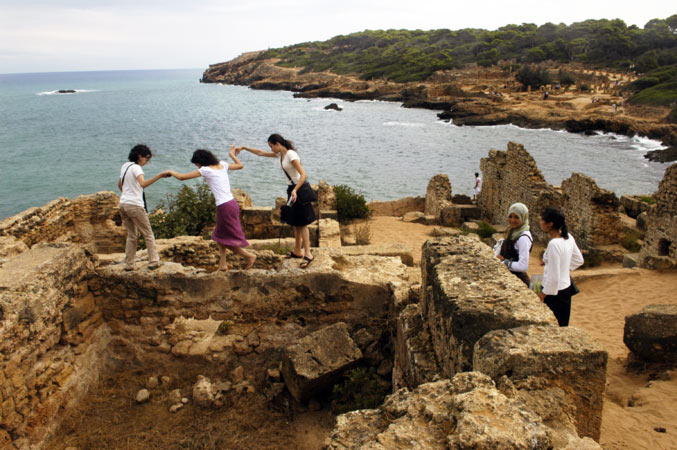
{"type": "Point", "coordinates": [71, 35]}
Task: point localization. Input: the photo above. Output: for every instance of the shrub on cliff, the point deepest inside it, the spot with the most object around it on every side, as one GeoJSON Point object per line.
{"type": "Point", "coordinates": [358, 390]}
{"type": "Point", "coordinates": [349, 204]}
{"type": "Point", "coordinates": [186, 213]}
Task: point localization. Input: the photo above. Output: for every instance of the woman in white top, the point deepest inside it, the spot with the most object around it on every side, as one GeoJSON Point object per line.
{"type": "Point", "coordinates": [302, 213]}
{"type": "Point", "coordinates": [561, 256]}
{"type": "Point", "coordinates": [228, 232]}
{"type": "Point", "coordinates": [133, 205]}
{"type": "Point", "coordinates": [517, 242]}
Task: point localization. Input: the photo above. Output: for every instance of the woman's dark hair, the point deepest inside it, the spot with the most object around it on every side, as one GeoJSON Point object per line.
{"type": "Point", "coordinates": [553, 215]}
{"type": "Point", "coordinates": [137, 151]}
{"type": "Point", "coordinates": [277, 139]}
{"type": "Point", "coordinates": [204, 158]}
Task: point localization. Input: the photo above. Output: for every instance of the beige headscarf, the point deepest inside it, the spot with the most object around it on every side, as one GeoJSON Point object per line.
{"type": "Point", "coordinates": [521, 211]}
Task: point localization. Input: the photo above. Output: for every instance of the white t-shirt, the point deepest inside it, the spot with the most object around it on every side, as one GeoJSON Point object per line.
{"type": "Point", "coordinates": [560, 257]}
{"type": "Point", "coordinates": [289, 168]}
{"type": "Point", "coordinates": [132, 192]}
{"type": "Point", "coordinates": [478, 186]}
{"type": "Point", "coordinates": [218, 182]}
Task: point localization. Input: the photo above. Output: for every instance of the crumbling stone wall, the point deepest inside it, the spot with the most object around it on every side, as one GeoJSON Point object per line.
{"type": "Point", "coordinates": [512, 176]}
{"type": "Point", "coordinates": [591, 212]}
{"type": "Point", "coordinates": [89, 219]}
{"type": "Point", "coordinates": [398, 207]}
{"type": "Point", "coordinates": [51, 337]}
{"type": "Point", "coordinates": [437, 196]}
{"type": "Point", "coordinates": [660, 248]}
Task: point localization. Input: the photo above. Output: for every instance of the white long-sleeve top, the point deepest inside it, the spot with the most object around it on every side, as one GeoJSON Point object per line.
{"type": "Point", "coordinates": [560, 257]}
{"type": "Point", "coordinates": [523, 246]}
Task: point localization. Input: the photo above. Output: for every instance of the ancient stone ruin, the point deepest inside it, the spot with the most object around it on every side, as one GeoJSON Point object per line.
{"type": "Point", "coordinates": [660, 250]}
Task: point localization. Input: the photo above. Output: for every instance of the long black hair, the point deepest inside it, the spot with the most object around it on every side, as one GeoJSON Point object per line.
{"type": "Point", "coordinates": [204, 158]}
{"type": "Point", "coordinates": [553, 215]}
{"type": "Point", "coordinates": [277, 139]}
{"type": "Point", "coordinates": [138, 151]}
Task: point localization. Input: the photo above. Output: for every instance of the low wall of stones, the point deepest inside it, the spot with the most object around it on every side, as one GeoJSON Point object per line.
{"type": "Point", "coordinates": [473, 314]}
{"type": "Point", "coordinates": [660, 249]}
{"type": "Point", "coordinates": [512, 176]}
{"type": "Point", "coordinates": [52, 338]}
{"type": "Point", "coordinates": [397, 208]}
{"type": "Point", "coordinates": [91, 219]}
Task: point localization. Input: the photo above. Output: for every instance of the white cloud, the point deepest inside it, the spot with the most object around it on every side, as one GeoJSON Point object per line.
{"type": "Point", "coordinates": [39, 35]}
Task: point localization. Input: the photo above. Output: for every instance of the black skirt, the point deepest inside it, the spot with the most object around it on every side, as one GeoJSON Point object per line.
{"type": "Point", "coordinates": [301, 214]}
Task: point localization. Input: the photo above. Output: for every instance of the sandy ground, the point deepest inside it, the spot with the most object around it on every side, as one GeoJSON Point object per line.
{"type": "Point", "coordinates": [638, 399]}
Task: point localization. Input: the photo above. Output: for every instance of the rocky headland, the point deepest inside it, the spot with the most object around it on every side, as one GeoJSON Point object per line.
{"type": "Point", "coordinates": [471, 96]}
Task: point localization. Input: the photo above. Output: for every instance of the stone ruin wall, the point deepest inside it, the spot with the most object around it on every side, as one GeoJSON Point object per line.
{"type": "Point", "coordinates": [52, 337]}
{"type": "Point", "coordinates": [91, 219]}
{"type": "Point", "coordinates": [512, 176]}
{"type": "Point", "coordinates": [473, 315]}
{"type": "Point", "coordinates": [660, 249]}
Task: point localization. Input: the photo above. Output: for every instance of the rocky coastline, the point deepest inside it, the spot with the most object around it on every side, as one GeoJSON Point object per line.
{"type": "Point", "coordinates": [474, 96]}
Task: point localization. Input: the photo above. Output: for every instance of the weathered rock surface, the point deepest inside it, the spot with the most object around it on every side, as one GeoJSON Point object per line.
{"type": "Point", "coordinates": [651, 334]}
{"type": "Point", "coordinates": [465, 412]}
{"type": "Point", "coordinates": [318, 360]}
{"type": "Point", "coordinates": [565, 358]}
{"type": "Point", "coordinates": [437, 196]}
{"type": "Point", "coordinates": [415, 361]}
{"type": "Point", "coordinates": [634, 205]}
{"type": "Point", "coordinates": [467, 292]}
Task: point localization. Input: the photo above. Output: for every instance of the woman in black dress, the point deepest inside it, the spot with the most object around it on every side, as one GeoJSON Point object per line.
{"type": "Point", "coordinates": [299, 193]}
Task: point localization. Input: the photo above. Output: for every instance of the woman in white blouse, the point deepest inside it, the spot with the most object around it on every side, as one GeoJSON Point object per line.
{"type": "Point", "coordinates": [302, 213]}
{"type": "Point", "coordinates": [561, 256]}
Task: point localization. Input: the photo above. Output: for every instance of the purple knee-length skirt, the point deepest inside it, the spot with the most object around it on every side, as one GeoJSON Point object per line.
{"type": "Point", "coordinates": [228, 230]}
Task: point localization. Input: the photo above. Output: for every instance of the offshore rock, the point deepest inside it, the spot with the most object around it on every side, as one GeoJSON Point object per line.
{"type": "Point", "coordinates": [651, 334]}
{"type": "Point", "coordinates": [318, 360]}
{"type": "Point", "coordinates": [465, 412]}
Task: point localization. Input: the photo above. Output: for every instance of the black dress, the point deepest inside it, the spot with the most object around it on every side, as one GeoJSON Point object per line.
{"type": "Point", "coordinates": [301, 214]}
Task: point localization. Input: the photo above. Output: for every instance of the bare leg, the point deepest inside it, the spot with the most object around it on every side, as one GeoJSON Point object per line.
{"type": "Point", "coordinates": [223, 265]}
{"type": "Point", "coordinates": [248, 256]}
{"type": "Point", "coordinates": [305, 236]}
{"type": "Point", "coordinates": [298, 241]}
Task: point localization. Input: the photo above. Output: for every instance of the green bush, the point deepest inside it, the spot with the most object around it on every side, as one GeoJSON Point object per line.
{"type": "Point", "coordinates": [534, 77]}
{"type": "Point", "coordinates": [485, 230]}
{"type": "Point", "coordinates": [647, 199]}
{"type": "Point", "coordinates": [566, 78]}
{"type": "Point", "coordinates": [584, 87]}
{"type": "Point", "coordinates": [358, 390]}
{"type": "Point", "coordinates": [629, 241]}
{"type": "Point", "coordinates": [672, 117]}
{"type": "Point", "coordinates": [349, 204]}
{"type": "Point", "coordinates": [186, 213]}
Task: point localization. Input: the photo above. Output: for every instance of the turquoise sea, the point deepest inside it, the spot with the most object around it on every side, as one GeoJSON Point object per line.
{"type": "Point", "coordinates": [54, 145]}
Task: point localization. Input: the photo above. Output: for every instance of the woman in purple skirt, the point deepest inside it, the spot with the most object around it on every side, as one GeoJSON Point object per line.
{"type": "Point", "coordinates": [228, 232]}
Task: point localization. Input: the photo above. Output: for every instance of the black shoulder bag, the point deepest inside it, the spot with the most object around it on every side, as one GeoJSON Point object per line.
{"type": "Point", "coordinates": [305, 193]}
{"type": "Point", "coordinates": [143, 193]}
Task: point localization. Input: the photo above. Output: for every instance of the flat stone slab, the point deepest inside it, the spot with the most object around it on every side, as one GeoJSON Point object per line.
{"type": "Point", "coordinates": [318, 361]}
{"type": "Point", "coordinates": [651, 334]}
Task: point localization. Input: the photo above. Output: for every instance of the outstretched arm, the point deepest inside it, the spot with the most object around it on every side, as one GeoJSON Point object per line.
{"type": "Point", "coordinates": [256, 152]}
{"type": "Point", "coordinates": [185, 176]}
{"type": "Point", "coordinates": [238, 165]}
{"type": "Point", "coordinates": [145, 183]}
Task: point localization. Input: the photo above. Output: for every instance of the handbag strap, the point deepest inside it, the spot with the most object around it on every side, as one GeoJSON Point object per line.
{"type": "Point", "coordinates": [285, 172]}
{"type": "Point", "coordinates": [143, 191]}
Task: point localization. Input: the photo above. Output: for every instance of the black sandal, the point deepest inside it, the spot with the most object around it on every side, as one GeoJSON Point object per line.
{"type": "Point", "coordinates": [306, 262]}
{"type": "Point", "coordinates": [291, 255]}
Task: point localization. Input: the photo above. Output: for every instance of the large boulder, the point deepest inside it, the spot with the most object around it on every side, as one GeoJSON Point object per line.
{"type": "Point", "coordinates": [463, 413]}
{"type": "Point", "coordinates": [415, 361]}
{"type": "Point", "coordinates": [651, 334]}
{"type": "Point", "coordinates": [466, 293]}
{"type": "Point", "coordinates": [318, 361]}
{"type": "Point", "coordinates": [564, 358]}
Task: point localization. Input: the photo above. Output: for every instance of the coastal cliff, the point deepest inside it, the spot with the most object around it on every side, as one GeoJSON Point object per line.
{"type": "Point", "coordinates": [469, 96]}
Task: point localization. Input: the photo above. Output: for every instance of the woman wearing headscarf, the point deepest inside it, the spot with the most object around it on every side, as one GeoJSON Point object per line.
{"type": "Point", "coordinates": [517, 242]}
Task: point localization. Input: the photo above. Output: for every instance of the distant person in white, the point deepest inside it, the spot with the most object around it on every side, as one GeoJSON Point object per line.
{"type": "Point", "coordinates": [477, 187]}
{"type": "Point", "coordinates": [561, 256]}
{"type": "Point", "coordinates": [133, 205]}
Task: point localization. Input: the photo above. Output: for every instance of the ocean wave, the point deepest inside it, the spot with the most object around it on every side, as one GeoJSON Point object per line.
{"type": "Point", "coordinates": [403, 124]}
{"type": "Point", "coordinates": [77, 91]}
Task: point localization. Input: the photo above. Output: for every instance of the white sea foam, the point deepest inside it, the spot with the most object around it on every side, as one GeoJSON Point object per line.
{"type": "Point", "coordinates": [77, 91]}
{"type": "Point", "coordinates": [403, 124]}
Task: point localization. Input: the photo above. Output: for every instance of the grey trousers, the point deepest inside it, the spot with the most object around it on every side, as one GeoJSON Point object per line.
{"type": "Point", "coordinates": [135, 220]}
